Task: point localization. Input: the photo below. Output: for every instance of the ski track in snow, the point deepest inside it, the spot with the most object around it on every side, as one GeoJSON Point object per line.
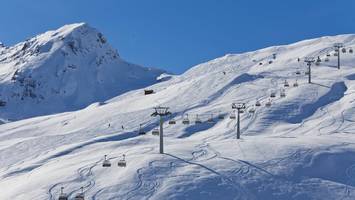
{"type": "Point", "coordinates": [271, 158]}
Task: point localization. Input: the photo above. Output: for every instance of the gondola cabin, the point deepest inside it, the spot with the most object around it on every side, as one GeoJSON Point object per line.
{"type": "Point", "coordinates": [282, 94]}
{"type": "Point", "coordinates": [141, 130]}
{"type": "Point", "coordinates": [148, 92]}
{"type": "Point", "coordinates": [186, 120]}
{"type": "Point", "coordinates": [171, 122]}
{"type": "Point", "coordinates": [155, 131]}
{"type": "Point", "coordinates": [257, 103]}
{"type": "Point", "coordinates": [80, 196]}
{"type": "Point", "coordinates": [106, 162]}
{"type": "Point", "coordinates": [210, 120]}
{"type": "Point", "coordinates": [62, 195]}
{"type": "Point", "coordinates": [122, 162]}
{"type": "Point", "coordinates": [197, 120]}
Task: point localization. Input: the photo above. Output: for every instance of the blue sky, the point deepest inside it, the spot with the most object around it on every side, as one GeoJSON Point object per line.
{"type": "Point", "coordinates": [178, 34]}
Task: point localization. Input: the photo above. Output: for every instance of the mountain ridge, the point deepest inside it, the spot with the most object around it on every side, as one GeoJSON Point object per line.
{"type": "Point", "coordinates": [58, 66]}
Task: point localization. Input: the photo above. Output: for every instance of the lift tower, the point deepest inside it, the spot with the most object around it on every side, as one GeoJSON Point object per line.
{"type": "Point", "coordinates": [161, 111]}
{"type": "Point", "coordinates": [337, 47]}
{"type": "Point", "coordinates": [240, 108]}
{"type": "Point", "coordinates": [309, 61]}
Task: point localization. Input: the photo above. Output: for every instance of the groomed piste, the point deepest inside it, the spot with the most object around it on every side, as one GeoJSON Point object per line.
{"type": "Point", "coordinates": [296, 144]}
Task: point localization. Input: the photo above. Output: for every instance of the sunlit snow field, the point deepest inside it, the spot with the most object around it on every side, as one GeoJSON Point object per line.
{"type": "Point", "coordinates": [301, 147]}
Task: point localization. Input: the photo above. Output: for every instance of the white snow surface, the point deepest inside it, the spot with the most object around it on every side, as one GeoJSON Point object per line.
{"type": "Point", "coordinates": [64, 70]}
{"type": "Point", "coordinates": [301, 147]}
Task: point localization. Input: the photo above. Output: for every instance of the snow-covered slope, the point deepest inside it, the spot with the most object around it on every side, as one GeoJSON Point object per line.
{"type": "Point", "coordinates": [301, 147]}
{"type": "Point", "coordinates": [64, 70]}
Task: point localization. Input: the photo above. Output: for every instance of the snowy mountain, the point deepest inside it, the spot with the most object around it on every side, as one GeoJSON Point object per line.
{"type": "Point", "coordinates": [300, 147]}
{"type": "Point", "coordinates": [64, 70]}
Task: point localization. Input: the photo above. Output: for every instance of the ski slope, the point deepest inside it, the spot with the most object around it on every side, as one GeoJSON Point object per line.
{"type": "Point", "coordinates": [301, 147]}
